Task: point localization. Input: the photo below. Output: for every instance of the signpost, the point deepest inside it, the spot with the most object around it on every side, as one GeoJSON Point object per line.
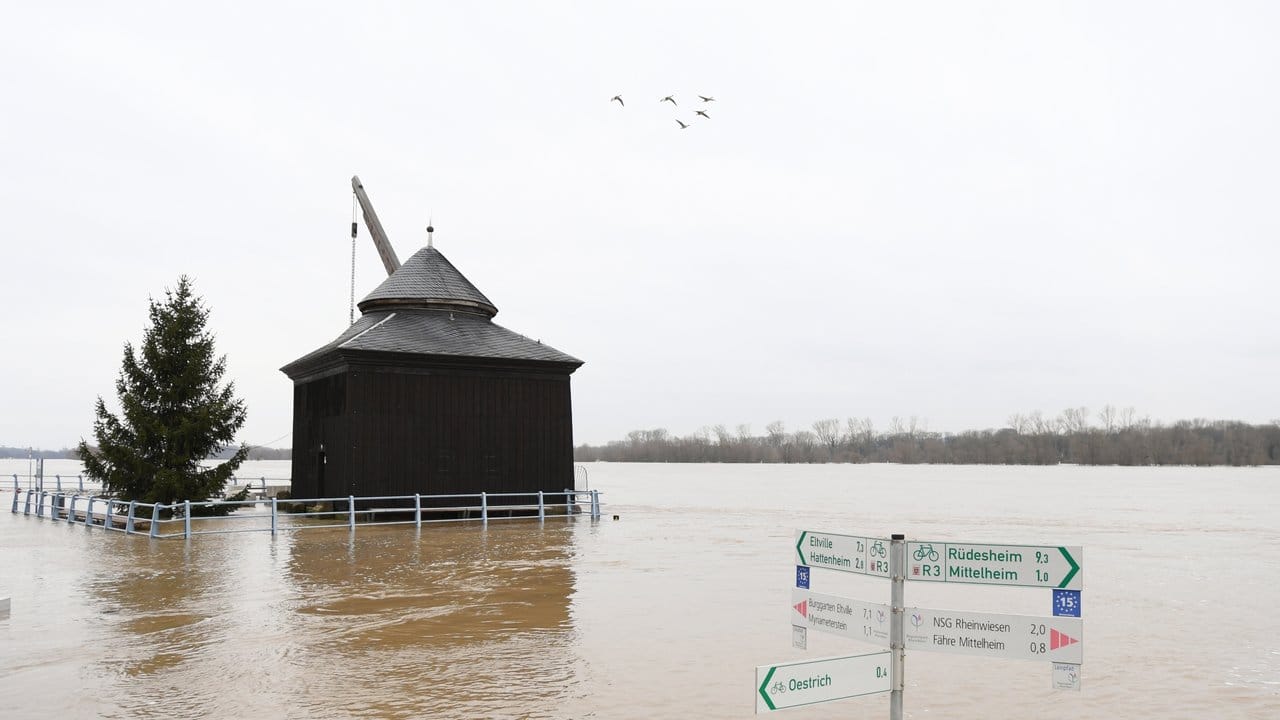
{"type": "Point", "coordinates": [848, 553]}
{"type": "Point", "coordinates": [1058, 640]}
{"type": "Point", "coordinates": [1028, 565]}
{"type": "Point", "coordinates": [805, 682]}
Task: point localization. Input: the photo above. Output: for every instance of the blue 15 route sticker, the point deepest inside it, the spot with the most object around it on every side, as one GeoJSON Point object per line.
{"type": "Point", "coordinates": [1066, 603]}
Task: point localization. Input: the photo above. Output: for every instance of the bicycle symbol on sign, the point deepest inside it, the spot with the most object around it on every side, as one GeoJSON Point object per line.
{"type": "Point", "coordinates": [925, 550]}
{"type": "Point", "coordinates": [877, 548]}
{"type": "Point", "coordinates": [777, 687]}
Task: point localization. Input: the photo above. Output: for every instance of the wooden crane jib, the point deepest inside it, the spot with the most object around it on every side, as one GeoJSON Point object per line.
{"type": "Point", "coordinates": [380, 241]}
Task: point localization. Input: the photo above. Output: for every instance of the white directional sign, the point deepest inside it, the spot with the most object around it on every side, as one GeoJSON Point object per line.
{"type": "Point", "coordinates": [1066, 676]}
{"type": "Point", "coordinates": [854, 619]}
{"type": "Point", "coordinates": [1011, 637]}
{"type": "Point", "coordinates": [849, 553]}
{"type": "Point", "coordinates": [1048, 566]}
{"type": "Point", "coordinates": [806, 682]}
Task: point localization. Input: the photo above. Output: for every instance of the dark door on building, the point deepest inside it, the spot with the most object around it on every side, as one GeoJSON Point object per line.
{"type": "Point", "coordinates": [320, 463]}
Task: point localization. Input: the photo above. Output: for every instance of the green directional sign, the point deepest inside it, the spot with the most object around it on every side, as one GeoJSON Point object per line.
{"type": "Point", "coordinates": [1050, 566]}
{"type": "Point", "coordinates": [806, 682]}
{"type": "Point", "coordinates": [847, 553]}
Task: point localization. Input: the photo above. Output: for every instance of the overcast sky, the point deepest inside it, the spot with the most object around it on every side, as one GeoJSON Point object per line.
{"type": "Point", "coordinates": [951, 210]}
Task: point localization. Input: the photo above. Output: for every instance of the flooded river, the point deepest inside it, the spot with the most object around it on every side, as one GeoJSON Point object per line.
{"type": "Point", "coordinates": [664, 612]}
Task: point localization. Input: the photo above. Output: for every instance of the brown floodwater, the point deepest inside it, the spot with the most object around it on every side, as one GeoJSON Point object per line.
{"type": "Point", "coordinates": [664, 612]}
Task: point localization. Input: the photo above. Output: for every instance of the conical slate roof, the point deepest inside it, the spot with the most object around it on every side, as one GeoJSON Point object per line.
{"type": "Point", "coordinates": [426, 311]}
{"type": "Point", "coordinates": [428, 281]}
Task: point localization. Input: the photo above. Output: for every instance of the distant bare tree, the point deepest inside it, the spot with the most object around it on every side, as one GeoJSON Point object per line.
{"type": "Point", "coordinates": [722, 435]}
{"type": "Point", "coordinates": [1107, 416]}
{"type": "Point", "coordinates": [828, 432]}
{"type": "Point", "coordinates": [804, 442]}
{"type": "Point", "coordinates": [896, 427]}
{"type": "Point", "coordinates": [777, 432]}
{"type": "Point", "coordinates": [1074, 420]}
{"type": "Point", "coordinates": [1018, 422]}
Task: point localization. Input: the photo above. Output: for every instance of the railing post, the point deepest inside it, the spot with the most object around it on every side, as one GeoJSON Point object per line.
{"type": "Point", "coordinates": [155, 520]}
{"type": "Point", "coordinates": [106, 519]}
{"type": "Point", "coordinates": [542, 508]}
{"type": "Point", "coordinates": [186, 519]}
{"type": "Point", "coordinates": [595, 504]}
{"type": "Point", "coordinates": [351, 512]}
{"type": "Point", "coordinates": [417, 510]}
{"type": "Point", "coordinates": [71, 509]}
{"type": "Point", "coordinates": [26, 503]}
{"type": "Point", "coordinates": [40, 504]}
{"type": "Point", "coordinates": [15, 484]}
{"type": "Point", "coordinates": [58, 478]}
{"type": "Point", "coordinates": [484, 509]}
{"type": "Point", "coordinates": [15, 496]}
{"type": "Point", "coordinates": [80, 479]}
{"type": "Point", "coordinates": [273, 517]}
{"type": "Point", "coordinates": [54, 505]}
{"type": "Point", "coordinates": [128, 524]}
{"type": "Point", "coordinates": [88, 512]}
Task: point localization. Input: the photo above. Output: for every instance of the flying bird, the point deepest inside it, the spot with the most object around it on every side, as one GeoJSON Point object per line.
{"type": "Point", "coordinates": [668, 99]}
{"type": "Point", "coordinates": [707, 99]}
{"type": "Point", "coordinates": [699, 112]}
{"type": "Point", "coordinates": [619, 99]}
{"type": "Point", "coordinates": [683, 126]}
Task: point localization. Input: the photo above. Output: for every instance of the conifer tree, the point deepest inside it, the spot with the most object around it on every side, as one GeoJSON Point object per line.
{"type": "Point", "coordinates": [173, 411]}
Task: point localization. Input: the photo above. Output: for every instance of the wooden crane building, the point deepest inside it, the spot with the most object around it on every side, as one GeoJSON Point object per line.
{"type": "Point", "coordinates": [424, 393]}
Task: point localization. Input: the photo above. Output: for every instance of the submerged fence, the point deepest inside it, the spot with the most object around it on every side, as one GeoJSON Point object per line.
{"type": "Point", "coordinates": [135, 518]}
{"type": "Point", "coordinates": [258, 486]}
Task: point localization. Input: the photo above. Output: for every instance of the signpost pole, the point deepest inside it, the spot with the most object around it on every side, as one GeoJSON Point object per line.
{"type": "Point", "coordinates": [897, 628]}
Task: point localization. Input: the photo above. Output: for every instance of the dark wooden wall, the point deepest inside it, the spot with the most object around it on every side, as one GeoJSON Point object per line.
{"type": "Point", "coordinates": [445, 431]}
{"type": "Point", "coordinates": [320, 425]}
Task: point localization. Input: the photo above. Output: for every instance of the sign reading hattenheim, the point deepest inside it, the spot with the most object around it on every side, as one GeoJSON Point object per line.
{"type": "Point", "coordinates": [847, 553]}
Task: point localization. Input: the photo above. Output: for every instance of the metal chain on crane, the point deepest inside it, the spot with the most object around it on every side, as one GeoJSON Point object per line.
{"type": "Point", "coordinates": [351, 313]}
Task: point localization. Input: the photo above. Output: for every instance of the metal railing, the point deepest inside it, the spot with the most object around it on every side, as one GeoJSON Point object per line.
{"type": "Point", "coordinates": [159, 518]}
{"type": "Point", "coordinates": [260, 487]}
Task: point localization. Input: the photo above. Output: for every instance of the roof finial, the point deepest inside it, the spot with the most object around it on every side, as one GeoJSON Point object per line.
{"type": "Point", "coordinates": [429, 231]}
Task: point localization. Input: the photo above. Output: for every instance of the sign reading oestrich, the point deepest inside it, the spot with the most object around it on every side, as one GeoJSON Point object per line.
{"type": "Point", "coordinates": [807, 682]}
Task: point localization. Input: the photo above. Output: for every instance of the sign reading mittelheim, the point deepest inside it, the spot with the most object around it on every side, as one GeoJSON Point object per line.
{"type": "Point", "coordinates": [1009, 637]}
{"type": "Point", "coordinates": [1049, 566]}
{"type": "Point", "coordinates": [849, 553]}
